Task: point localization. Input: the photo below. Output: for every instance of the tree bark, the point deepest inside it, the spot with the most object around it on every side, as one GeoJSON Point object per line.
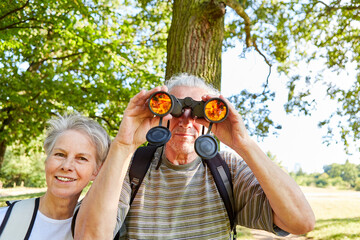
{"type": "Point", "coordinates": [195, 39]}
{"type": "Point", "coordinates": [2, 152]}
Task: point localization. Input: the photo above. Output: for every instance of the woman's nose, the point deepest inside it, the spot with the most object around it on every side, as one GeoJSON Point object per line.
{"type": "Point", "coordinates": [68, 164]}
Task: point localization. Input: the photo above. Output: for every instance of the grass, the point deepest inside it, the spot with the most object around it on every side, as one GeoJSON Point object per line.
{"type": "Point", "coordinates": [19, 197]}
{"type": "Point", "coordinates": [337, 214]}
{"type": "Point", "coordinates": [12, 194]}
{"type": "Point", "coordinates": [336, 228]}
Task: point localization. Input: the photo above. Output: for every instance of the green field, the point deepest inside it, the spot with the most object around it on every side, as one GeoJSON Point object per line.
{"type": "Point", "coordinates": [337, 214]}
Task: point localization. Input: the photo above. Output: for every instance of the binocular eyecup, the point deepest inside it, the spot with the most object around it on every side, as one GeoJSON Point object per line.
{"type": "Point", "coordinates": [214, 110]}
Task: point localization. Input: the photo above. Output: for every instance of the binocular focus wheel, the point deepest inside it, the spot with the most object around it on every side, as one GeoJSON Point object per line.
{"type": "Point", "coordinates": [158, 136]}
{"type": "Point", "coordinates": [206, 146]}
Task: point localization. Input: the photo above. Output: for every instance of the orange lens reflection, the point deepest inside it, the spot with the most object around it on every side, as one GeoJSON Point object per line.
{"type": "Point", "coordinates": [215, 110]}
{"type": "Point", "coordinates": [160, 103]}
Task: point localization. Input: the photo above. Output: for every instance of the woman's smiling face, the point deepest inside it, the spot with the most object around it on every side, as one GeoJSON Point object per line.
{"type": "Point", "coordinates": [70, 165]}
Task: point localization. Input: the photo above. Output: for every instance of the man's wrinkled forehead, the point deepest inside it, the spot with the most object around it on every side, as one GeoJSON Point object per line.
{"type": "Point", "coordinates": [182, 92]}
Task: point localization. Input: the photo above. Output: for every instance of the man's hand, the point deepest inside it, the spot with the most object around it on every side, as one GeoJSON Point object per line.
{"type": "Point", "coordinates": [232, 130]}
{"type": "Point", "coordinates": [137, 119]}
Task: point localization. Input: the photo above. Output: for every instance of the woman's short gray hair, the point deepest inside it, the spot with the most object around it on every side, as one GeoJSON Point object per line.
{"type": "Point", "coordinates": [90, 127]}
{"type": "Point", "coordinates": [187, 80]}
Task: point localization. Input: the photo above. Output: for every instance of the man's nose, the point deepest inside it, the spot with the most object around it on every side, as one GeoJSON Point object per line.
{"type": "Point", "coordinates": [187, 118]}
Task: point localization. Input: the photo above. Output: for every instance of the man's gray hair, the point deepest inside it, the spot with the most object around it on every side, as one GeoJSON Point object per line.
{"type": "Point", "coordinates": [99, 137]}
{"type": "Point", "coordinates": [187, 80]}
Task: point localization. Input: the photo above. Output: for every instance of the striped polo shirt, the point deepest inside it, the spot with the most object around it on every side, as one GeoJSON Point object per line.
{"type": "Point", "coordinates": [182, 202]}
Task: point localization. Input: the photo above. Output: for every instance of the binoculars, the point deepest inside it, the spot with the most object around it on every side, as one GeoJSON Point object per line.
{"type": "Point", "coordinates": [214, 110]}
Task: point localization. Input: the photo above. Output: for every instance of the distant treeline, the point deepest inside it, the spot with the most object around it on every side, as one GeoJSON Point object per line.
{"type": "Point", "coordinates": [23, 167]}
{"type": "Point", "coordinates": [343, 176]}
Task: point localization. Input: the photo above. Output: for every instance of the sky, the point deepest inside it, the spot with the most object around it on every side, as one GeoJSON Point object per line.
{"type": "Point", "coordinates": [299, 143]}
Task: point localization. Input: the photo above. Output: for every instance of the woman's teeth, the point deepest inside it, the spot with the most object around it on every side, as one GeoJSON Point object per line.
{"type": "Point", "coordinates": [65, 179]}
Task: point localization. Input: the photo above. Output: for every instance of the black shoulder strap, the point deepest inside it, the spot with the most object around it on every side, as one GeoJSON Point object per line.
{"type": "Point", "coordinates": [222, 177]}
{"type": "Point", "coordinates": [138, 169]}
{"type": "Point", "coordinates": [139, 166]}
{"type": "Point", "coordinates": [27, 207]}
{"type": "Point", "coordinates": [7, 215]}
{"type": "Point", "coordinates": [73, 222]}
{"type": "Point", "coordinates": [37, 203]}
{"type": "Point", "coordinates": [218, 167]}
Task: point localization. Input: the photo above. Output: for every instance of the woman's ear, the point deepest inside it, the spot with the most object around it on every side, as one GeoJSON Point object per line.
{"type": "Point", "coordinates": [96, 172]}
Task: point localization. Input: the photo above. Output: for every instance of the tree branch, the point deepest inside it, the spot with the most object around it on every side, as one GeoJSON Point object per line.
{"type": "Point", "coordinates": [35, 65]}
{"type": "Point", "coordinates": [213, 9]}
{"type": "Point", "coordinates": [234, 4]}
{"type": "Point", "coordinates": [333, 7]}
{"type": "Point", "coordinates": [322, 3]}
{"type": "Point", "coordinates": [267, 62]}
{"type": "Point", "coordinates": [14, 24]}
{"type": "Point", "coordinates": [22, 27]}
{"type": "Point", "coordinates": [15, 10]}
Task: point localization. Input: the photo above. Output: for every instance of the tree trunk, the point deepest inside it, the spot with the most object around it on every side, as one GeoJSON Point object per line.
{"type": "Point", "coordinates": [2, 152]}
{"type": "Point", "coordinates": [195, 39]}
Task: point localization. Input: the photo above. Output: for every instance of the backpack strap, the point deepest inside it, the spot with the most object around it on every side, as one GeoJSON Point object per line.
{"type": "Point", "coordinates": [7, 215]}
{"type": "Point", "coordinates": [218, 168]}
{"type": "Point", "coordinates": [139, 167]}
{"type": "Point", "coordinates": [222, 177]}
{"type": "Point", "coordinates": [19, 219]}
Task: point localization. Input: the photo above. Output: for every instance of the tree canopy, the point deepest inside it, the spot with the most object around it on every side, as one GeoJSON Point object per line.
{"type": "Point", "coordinates": [86, 56]}
{"type": "Point", "coordinates": [286, 33]}
{"type": "Point", "coordinates": [92, 56]}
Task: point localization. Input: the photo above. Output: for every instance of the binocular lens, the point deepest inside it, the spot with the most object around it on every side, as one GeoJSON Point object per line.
{"type": "Point", "coordinates": [215, 110]}
{"type": "Point", "coordinates": [160, 103]}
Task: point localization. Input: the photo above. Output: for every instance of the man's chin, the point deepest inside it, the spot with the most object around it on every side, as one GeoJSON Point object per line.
{"type": "Point", "coordinates": [184, 146]}
{"type": "Point", "coordinates": [184, 137]}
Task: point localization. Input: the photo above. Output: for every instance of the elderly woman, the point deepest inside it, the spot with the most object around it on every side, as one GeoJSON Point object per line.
{"type": "Point", "coordinates": [76, 147]}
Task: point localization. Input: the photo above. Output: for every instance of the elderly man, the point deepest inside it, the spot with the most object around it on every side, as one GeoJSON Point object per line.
{"type": "Point", "coordinates": [178, 197]}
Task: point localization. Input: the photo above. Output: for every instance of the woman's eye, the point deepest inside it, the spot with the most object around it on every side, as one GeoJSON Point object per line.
{"type": "Point", "coordinates": [59, 154]}
{"type": "Point", "coordinates": [83, 158]}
